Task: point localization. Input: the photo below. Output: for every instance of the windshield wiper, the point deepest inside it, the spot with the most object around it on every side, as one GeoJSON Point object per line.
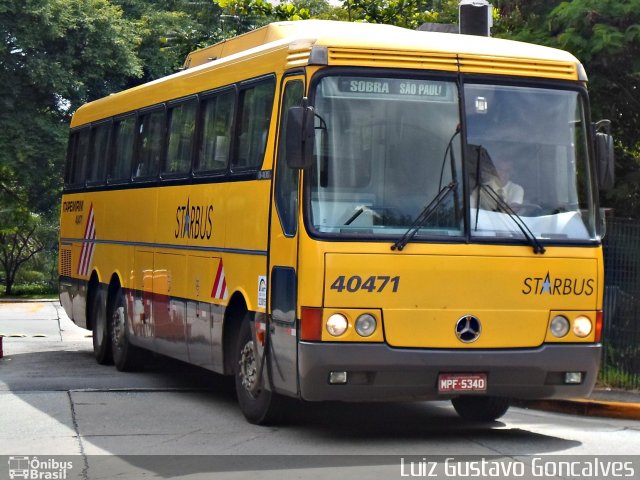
{"type": "Point", "coordinates": [425, 215]}
{"type": "Point", "coordinates": [517, 219]}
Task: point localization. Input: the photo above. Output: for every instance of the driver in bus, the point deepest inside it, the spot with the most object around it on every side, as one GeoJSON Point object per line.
{"type": "Point", "coordinates": [498, 180]}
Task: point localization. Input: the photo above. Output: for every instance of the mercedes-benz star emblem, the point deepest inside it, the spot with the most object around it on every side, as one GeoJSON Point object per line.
{"type": "Point", "coordinates": [468, 329]}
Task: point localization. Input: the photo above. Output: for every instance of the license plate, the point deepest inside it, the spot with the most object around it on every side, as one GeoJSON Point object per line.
{"type": "Point", "coordinates": [462, 382]}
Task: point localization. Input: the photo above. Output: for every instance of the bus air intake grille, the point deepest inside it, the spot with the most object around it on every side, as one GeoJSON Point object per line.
{"type": "Point", "coordinates": [298, 57]}
{"type": "Point", "coordinates": [518, 66]}
{"type": "Point", "coordinates": [65, 262]}
{"type": "Point", "coordinates": [393, 58]}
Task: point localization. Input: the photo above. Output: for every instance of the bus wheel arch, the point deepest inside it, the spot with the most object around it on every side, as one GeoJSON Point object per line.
{"type": "Point", "coordinates": [233, 317]}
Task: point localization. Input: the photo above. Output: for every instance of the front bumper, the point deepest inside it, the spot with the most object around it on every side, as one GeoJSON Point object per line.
{"type": "Point", "coordinates": [377, 372]}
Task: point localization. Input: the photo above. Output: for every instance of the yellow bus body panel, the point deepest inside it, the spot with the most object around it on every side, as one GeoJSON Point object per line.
{"type": "Point", "coordinates": [507, 294]}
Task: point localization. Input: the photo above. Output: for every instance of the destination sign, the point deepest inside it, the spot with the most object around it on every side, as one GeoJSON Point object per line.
{"type": "Point", "coordinates": [394, 87]}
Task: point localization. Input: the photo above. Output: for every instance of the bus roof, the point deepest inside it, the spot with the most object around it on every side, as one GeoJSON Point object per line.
{"type": "Point", "coordinates": [374, 36]}
{"type": "Point", "coordinates": [346, 44]}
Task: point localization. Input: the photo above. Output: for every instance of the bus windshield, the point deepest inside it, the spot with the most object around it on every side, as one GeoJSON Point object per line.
{"type": "Point", "coordinates": [386, 147]}
{"type": "Point", "coordinates": [527, 150]}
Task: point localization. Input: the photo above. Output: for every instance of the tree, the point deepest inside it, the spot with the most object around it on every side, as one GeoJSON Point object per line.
{"type": "Point", "coordinates": [80, 50]}
{"type": "Point", "coordinates": [55, 55]}
{"type": "Point", "coordinates": [20, 229]}
{"type": "Point", "coordinates": [403, 13]}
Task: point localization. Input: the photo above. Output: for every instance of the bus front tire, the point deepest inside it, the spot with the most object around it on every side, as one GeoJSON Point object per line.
{"type": "Point", "coordinates": [126, 356]}
{"type": "Point", "coordinates": [100, 328]}
{"type": "Point", "coordinates": [259, 406]}
{"type": "Point", "coordinates": [480, 408]}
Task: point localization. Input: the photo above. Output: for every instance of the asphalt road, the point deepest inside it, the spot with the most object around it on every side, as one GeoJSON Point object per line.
{"type": "Point", "coordinates": [56, 401]}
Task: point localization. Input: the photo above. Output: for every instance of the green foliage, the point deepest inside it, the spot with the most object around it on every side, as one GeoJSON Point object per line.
{"type": "Point", "coordinates": [23, 234]}
{"type": "Point", "coordinates": [403, 13]}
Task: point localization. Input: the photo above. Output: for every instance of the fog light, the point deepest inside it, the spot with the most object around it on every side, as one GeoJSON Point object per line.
{"type": "Point", "coordinates": [337, 324]}
{"type": "Point", "coordinates": [582, 326]}
{"type": "Point", "coordinates": [559, 326]}
{"type": "Point", "coordinates": [573, 377]}
{"type": "Point", "coordinates": [336, 378]}
{"type": "Point", "coordinates": [365, 325]}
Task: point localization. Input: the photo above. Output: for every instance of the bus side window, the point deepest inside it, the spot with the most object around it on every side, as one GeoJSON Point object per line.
{"type": "Point", "coordinates": [124, 132]}
{"type": "Point", "coordinates": [99, 153]}
{"type": "Point", "coordinates": [286, 183]}
{"type": "Point", "coordinates": [216, 124]}
{"type": "Point", "coordinates": [150, 144]}
{"type": "Point", "coordinates": [80, 157]}
{"type": "Point", "coordinates": [68, 169]}
{"type": "Point", "coordinates": [256, 103]}
{"type": "Point", "coordinates": [182, 125]}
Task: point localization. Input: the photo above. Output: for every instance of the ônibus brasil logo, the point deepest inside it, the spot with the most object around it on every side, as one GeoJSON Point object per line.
{"type": "Point", "coordinates": [38, 469]}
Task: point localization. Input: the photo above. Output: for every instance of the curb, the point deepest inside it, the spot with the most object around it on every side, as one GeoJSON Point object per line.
{"type": "Point", "coordinates": [29, 300]}
{"type": "Point", "coordinates": [579, 406]}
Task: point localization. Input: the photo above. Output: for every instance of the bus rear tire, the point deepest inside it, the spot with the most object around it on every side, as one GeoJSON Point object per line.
{"type": "Point", "coordinates": [100, 328]}
{"type": "Point", "coordinates": [126, 356]}
{"type": "Point", "coordinates": [480, 408]}
{"type": "Point", "coordinates": [260, 407]}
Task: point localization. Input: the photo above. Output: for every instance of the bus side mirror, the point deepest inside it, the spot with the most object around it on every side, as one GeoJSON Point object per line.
{"type": "Point", "coordinates": [300, 136]}
{"type": "Point", "coordinates": [605, 164]}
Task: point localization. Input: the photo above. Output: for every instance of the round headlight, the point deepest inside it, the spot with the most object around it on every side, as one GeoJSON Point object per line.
{"type": "Point", "coordinates": [337, 324]}
{"type": "Point", "coordinates": [559, 326]}
{"type": "Point", "coordinates": [582, 326]}
{"type": "Point", "coordinates": [365, 325]}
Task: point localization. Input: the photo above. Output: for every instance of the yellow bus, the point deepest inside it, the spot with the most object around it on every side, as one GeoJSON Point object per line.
{"type": "Point", "coordinates": [351, 212]}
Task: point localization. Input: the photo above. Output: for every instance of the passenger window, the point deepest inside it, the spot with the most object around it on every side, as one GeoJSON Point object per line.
{"type": "Point", "coordinates": [256, 103]}
{"type": "Point", "coordinates": [182, 126]}
{"type": "Point", "coordinates": [99, 153]}
{"type": "Point", "coordinates": [217, 122]}
{"type": "Point", "coordinates": [150, 143]}
{"type": "Point", "coordinates": [123, 131]}
{"type": "Point", "coordinates": [80, 157]}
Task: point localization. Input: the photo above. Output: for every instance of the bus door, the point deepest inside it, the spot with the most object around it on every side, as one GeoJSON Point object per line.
{"type": "Point", "coordinates": [283, 256]}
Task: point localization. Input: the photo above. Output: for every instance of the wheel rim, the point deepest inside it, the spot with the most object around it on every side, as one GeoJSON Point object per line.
{"type": "Point", "coordinates": [118, 326]}
{"type": "Point", "coordinates": [248, 370]}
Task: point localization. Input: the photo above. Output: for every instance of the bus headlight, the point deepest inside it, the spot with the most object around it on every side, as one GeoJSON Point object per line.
{"type": "Point", "coordinates": [366, 325]}
{"type": "Point", "coordinates": [559, 326]}
{"type": "Point", "coordinates": [582, 326]}
{"type": "Point", "coordinates": [337, 324]}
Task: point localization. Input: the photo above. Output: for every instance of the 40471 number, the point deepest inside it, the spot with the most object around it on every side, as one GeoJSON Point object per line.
{"type": "Point", "coordinates": [370, 284]}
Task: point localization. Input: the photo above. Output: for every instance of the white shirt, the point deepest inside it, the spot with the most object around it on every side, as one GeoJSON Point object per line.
{"type": "Point", "coordinates": [511, 193]}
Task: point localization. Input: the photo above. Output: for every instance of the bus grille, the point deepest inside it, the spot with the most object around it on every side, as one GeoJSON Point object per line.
{"type": "Point", "coordinates": [298, 57]}
{"type": "Point", "coordinates": [518, 66]}
{"type": "Point", "coordinates": [391, 58]}
{"type": "Point", "coordinates": [452, 62]}
{"type": "Point", "coordinates": [65, 262]}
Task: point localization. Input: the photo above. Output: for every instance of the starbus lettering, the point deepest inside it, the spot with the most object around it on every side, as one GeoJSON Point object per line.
{"type": "Point", "coordinates": [558, 286]}
{"type": "Point", "coordinates": [194, 221]}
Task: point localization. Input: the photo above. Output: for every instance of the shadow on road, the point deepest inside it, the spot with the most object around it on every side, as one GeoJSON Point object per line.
{"type": "Point", "coordinates": [200, 403]}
